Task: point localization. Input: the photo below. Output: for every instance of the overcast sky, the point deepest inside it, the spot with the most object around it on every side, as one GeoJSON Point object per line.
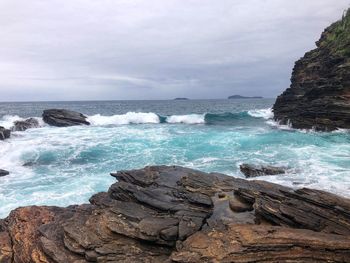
{"type": "Point", "coordinates": [155, 49]}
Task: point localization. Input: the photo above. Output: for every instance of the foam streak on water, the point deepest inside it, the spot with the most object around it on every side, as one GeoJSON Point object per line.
{"type": "Point", "coordinates": [67, 165]}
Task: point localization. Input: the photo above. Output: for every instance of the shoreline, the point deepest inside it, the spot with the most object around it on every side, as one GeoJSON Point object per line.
{"type": "Point", "coordinates": [176, 214]}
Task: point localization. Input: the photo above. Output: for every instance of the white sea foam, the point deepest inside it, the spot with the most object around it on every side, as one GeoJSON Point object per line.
{"type": "Point", "coordinates": [187, 119]}
{"type": "Point", "coordinates": [279, 126]}
{"type": "Point", "coordinates": [128, 118]}
{"type": "Point", "coordinates": [70, 164]}
{"type": "Point", "coordinates": [262, 113]}
{"type": "Point", "coordinates": [8, 121]}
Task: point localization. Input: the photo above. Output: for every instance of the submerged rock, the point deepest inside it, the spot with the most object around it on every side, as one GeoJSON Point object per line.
{"type": "Point", "coordinates": [64, 118]}
{"type": "Point", "coordinates": [174, 214]}
{"type": "Point", "coordinates": [250, 170]}
{"type": "Point", "coordinates": [319, 95]}
{"type": "Point", "coordinates": [3, 172]}
{"type": "Point", "coordinates": [4, 133]}
{"type": "Point", "coordinates": [26, 124]}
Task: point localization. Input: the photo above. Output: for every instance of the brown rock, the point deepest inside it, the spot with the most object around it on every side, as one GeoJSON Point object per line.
{"type": "Point", "coordinates": [164, 214]}
{"type": "Point", "coordinates": [254, 243]}
{"type": "Point", "coordinates": [238, 206]}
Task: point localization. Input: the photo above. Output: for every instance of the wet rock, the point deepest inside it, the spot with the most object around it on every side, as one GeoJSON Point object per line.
{"type": "Point", "coordinates": [29, 164]}
{"type": "Point", "coordinates": [175, 214]}
{"type": "Point", "coordinates": [250, 170]}
{"type": "Point", "coordinates": [3, 172]}
{"type": "Point", "coordinates": [4, 133]}
{"type": "Point", "coordinates": [64, 118]}
{"type": "Point", "coordinates": [239, 206]}
{"type": "Point", "coordinates": [319, 95]}
{"type": "Point", "coordinates": [25, 125]}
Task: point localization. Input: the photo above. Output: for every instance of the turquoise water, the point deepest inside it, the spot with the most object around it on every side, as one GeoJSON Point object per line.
{"type": "Point", "coordinates": [70, 164]}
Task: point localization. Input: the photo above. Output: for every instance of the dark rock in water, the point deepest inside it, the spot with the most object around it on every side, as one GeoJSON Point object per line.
{"type": "Point", "coordinates": [28, 164]}
{"type": "Point", "coordinates": [173, 214]}
{"type": "Point", "coordinates": [319, 95]}
{"type": "Point", "coordinates": [64, 118]}
{"type": "Point", "coordinates": [26, 124]}
{"type": "Point", "coordinates": [3, 172]}
{"type": "Point", "coordinates": [243, 97]}
{"type": "Point", "coordinates": [258, 170]}
{"type": "Point", "coordinates": [4, 133]}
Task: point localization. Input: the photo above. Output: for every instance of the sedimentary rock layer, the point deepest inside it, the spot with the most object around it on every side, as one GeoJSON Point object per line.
{"type": "Point", "coordinates": [174, 214]}
{"type": "Point", "coordinates": [319, 95]}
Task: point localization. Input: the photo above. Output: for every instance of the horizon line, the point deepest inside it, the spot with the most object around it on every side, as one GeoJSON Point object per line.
{"type": "Point", "coordinates": [187, 99]}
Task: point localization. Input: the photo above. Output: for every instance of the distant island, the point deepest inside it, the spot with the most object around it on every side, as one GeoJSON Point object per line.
{"type": "Point", "coordinates": [181, 99]}
{"type": "Point", "coordinates": [243, 97]}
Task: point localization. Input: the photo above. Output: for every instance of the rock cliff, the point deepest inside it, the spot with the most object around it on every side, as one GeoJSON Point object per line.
{"type": "Point", "coordinates": [175, 214]}
{"type": "Point", "coordinates": [319, 95]}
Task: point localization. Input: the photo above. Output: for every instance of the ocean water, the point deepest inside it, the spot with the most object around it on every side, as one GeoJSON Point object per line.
{"type": "Point", "coordinates": [68, 165]}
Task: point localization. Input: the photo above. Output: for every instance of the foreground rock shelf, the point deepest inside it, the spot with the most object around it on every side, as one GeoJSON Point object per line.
{"type": "Point", "coordinates": [174, 214]}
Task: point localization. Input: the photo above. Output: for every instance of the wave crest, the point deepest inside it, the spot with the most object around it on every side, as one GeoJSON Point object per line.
{"type": "Point", "coordinates": [127, 118]}
{"type": "Point", "coordinates": [186, 119]}
{"type": "Point", "coordinates": [262, 113]}
{"type": "Point", "coordinates": [8, 121]}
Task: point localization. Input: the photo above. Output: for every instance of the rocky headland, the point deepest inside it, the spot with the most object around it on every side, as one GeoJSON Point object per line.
{"type": "Point", "coordinates": [319, 95]}
{"type": "Point", "coordinates": [175, 214]}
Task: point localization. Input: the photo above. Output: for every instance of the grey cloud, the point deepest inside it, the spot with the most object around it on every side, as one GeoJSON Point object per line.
{"type": "Point", "coordinates": [155, 49]}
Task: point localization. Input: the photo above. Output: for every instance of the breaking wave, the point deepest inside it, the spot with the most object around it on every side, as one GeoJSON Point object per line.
{"type": "Point", "coordinates": [153, 118]}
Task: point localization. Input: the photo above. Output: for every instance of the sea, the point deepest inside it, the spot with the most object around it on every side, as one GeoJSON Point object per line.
{"type": "Point", "coordinates": [65, 166]}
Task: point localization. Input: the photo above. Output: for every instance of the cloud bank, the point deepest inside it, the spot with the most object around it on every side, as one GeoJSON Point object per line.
{"type": "Point", "coordinates": [155, 49]}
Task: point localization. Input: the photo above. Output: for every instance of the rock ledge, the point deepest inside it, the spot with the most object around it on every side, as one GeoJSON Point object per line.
{"type": "Point", "coordinates": [175, 214]}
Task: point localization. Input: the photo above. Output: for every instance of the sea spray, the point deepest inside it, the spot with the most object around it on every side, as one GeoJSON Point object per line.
{"type": "Point", "coordinates": [128, 118]}
{"type": "Point", "coordinates": [187, 119]}
{"type": "Point", "coordinates": [67, 165]}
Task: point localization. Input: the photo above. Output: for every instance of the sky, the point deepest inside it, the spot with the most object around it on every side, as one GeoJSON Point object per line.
{"type": "Point", "coordinates": [155, 49]}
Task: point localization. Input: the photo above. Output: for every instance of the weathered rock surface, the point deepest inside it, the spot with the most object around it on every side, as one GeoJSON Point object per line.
{"type": "Point", "coordinates": [25, 125]}
{"type": "Point", "coordinates": [4, 133]}
{"type": "Point", "coordinates": [250, 170]}
{"type": "Point", "coordinates": [64, 118]}
{"type": "Point", "coordinates": [174, 214]}
{"type": "Point", "coordinates": [319, 95]}
{"type": "Point", "coordinates": [3, 172]}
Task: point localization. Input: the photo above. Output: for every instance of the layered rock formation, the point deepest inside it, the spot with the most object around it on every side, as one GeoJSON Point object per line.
{"type": "Point", "coordinates": [250, 170]}
{"type": "Point", "coordinates": [174, 214]}
{"type": "Point", "coordinates": [319, 95]}
{"type": "Point", "coordinates": [64, 118]}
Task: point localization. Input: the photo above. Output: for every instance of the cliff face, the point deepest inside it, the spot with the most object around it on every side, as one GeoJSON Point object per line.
{"type": "Point", "coordinates": [319, 95]}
